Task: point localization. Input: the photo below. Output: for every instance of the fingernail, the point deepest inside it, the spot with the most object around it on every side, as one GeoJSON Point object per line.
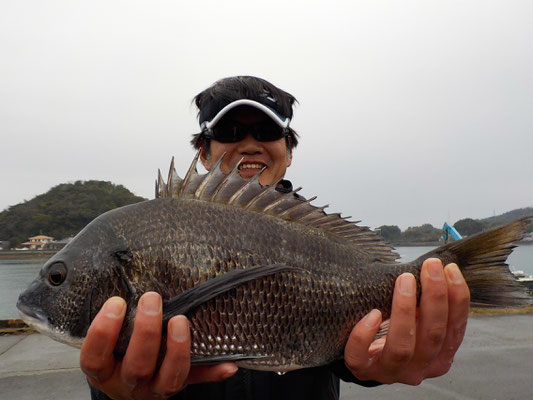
{"type": "Point", "coordinates": [179, 328]}
{"type": "Point", "coordinates": [406, 284]}
{"type": "Point", "coordinates": [230, 370]}
{"type": "Point", "coordinates": [454, 274]}
{"type": "Point", "coordinates": [92, 375]}
{"type": "Point", "coordinates": [434, 269]}
{"type": "Point", "coordinates": [150, 303]}
{"type": "Point", "coordinates": [114, 307]}
{"type": "Point", "coordinates": [372, 318]}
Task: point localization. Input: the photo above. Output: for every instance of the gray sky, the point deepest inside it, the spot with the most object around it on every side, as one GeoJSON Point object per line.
{"type": "Point", "coordinates": [410, 111]}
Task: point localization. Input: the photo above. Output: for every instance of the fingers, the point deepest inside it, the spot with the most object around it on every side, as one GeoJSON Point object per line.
{"type": "Point", "coordinates": [356, 352]}
{"type": "Point", "coordinates": [96, 356]}
{"type": "Point", "coordinates": [433, 316]}
{"type": "Point", "coordinates": [458, 308]}
{"type": "Point", "coordinates": [135, 375]}
{"type": "Point", "coordinates": [139, 362]}
{"type": "Point", "coordinates": [459, 304]}
{"type": "Point", "coordinates": [174, 370]}
{"type": "Point", "coordinates": [401, 337]}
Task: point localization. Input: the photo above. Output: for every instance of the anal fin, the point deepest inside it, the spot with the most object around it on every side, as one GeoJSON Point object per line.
{"type": "Point", "coordinates": [383, 329]}
{"type": "Point", "coordinates": [220, 358]}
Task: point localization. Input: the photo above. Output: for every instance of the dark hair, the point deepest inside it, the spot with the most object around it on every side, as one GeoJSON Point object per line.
{"type": "Point", "coordinates": [227, 90]}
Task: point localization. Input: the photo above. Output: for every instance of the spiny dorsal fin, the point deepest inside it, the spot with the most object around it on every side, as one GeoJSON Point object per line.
{"type": "Point", "coordinates": [232, 189]}
{"type": "Point", "coordinates": [161, 188]}
{"type": "Point", "coordinates": [187, 188]}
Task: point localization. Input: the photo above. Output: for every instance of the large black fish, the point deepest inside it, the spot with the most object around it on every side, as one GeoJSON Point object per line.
{"type": "Point", "coordinates": [266, 279]}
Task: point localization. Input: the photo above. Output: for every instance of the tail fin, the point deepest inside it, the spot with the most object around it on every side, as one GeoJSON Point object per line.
{"type": "Point", "coordinates": [481, 259]}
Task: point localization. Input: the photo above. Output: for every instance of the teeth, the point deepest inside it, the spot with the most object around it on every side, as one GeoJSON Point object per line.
{"type": "Point", "coordinates": [250, 166]}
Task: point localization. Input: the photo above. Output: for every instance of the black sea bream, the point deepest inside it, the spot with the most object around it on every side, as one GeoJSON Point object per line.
{"type": "Point", "coordinates": [265, 278]}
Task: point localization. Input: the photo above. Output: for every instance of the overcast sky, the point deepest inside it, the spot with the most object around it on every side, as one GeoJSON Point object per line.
{"type": "Point", "coordinates": [409, 112]}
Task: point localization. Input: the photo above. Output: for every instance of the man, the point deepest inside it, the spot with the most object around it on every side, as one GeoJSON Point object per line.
{"type": "Point", "coordinates": [248, 118]}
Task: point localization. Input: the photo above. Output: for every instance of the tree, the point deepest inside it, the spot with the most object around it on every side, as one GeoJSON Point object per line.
{"type": "Point", "coordinates": [468, 226]}
{"type": "Point", "coordinates": [14, 242]}
{"type": "Point", "coordinates": [390, 233]}
{"type": "Point", "coordinates": [423, 234]}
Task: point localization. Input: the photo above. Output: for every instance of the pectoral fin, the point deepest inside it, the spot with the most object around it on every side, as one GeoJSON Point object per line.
{"type": "Point", "coordinates": [192, 298]}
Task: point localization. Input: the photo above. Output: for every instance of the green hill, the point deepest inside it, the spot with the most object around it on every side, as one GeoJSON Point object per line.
{"type": "Point", "coordinates": [507, 217]}
{"type": "Point", "coordinates": [468, 226]}
{"type": "Point", "coordinates": [62, 211]}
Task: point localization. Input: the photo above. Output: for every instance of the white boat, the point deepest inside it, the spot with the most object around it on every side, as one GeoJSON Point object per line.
{"type": "Point", "coordinates": [521, 275]}
{"type": "Point", "coordinates": [523, 278]}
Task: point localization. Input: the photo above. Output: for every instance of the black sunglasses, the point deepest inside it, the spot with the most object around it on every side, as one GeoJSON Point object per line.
{"type": "Point", "coordinates": [232, 131]}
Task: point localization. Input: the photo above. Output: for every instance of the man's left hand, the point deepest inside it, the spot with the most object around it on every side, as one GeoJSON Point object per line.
{"type": "Point", "coordinates": [417, 346]}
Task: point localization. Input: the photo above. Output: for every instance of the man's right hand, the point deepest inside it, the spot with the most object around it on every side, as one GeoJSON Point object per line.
{"type": "Point", "coordinates": [135, 376]}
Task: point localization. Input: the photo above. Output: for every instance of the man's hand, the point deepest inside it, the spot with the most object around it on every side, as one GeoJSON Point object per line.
{"type": "Point", "coordinates": [135, 376]}
{"type": "Point", "coordinates": [417, 346]}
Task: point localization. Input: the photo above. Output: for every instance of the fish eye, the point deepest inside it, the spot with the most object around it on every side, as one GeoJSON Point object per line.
{"type": "Point", "coordinates": [57, 273]}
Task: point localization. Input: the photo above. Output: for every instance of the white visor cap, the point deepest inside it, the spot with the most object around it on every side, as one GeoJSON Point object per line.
{"type": "Point", "coordinates": [280, 120]}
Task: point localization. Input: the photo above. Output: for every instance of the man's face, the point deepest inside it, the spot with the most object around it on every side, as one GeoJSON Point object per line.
{"type": "Point", "coordinates": [257, 155]}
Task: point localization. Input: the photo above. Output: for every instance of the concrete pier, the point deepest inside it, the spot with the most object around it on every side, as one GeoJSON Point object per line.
{"type": "Point", "coordinates": [495, 362]}
{"type": "Point", "coordinates": [36, 367]}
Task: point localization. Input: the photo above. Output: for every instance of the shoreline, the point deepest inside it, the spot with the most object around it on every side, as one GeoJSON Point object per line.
{"type": "Point", "coordinates": [17, 254]}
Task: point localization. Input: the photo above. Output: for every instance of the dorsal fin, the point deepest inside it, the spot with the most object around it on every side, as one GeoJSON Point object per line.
{"type": "Point", "coordinates": [160, 186]}
{"type": "Point", "coordinates": [232, 189]}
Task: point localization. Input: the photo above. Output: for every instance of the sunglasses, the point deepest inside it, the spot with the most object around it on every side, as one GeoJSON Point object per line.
{"type": "Point", "coordinates": [232, 131]}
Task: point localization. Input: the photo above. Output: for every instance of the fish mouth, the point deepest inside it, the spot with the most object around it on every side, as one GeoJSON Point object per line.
{"type": "Point", "coordinates": [33, 318]}
{"type": "Point", "coordinates": [27, 312]}
{"type": "Point", "coordinates": [36, 320]}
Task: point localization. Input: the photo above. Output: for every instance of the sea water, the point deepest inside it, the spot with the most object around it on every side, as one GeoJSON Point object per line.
{"type": "Point", "coordinates": [15, 276]}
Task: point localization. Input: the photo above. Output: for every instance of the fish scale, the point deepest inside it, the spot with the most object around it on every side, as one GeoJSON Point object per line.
{"type": "Point", "coordinates": [266, 278]}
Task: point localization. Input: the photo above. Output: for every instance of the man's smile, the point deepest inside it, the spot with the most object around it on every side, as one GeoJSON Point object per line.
{"type": "Point", "coordinates": [246, 165]}
{"type": "Point", "coordinates": [248, 169]}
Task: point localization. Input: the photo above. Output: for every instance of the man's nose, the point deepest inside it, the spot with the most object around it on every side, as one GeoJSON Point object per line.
{"type": "Point", "coordinates": [250, 145]}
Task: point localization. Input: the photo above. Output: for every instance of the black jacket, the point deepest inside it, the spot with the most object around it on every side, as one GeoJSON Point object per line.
{"type": "Point", "coordinates": [320, 383]}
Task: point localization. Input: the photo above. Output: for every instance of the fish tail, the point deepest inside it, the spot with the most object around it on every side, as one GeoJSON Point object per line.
{"type": "Point", "coordinates": [482, 260]}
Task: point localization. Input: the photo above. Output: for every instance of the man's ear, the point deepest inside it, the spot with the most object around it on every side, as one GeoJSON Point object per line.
{"type": "Point", "coordinates": [289, 158]}
{"type": "Point", "coordinates": [205, 159]}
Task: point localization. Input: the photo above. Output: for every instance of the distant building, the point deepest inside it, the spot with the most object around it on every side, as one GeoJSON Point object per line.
{"type": "Point", "coordinates": [37, 242]}
{"type": "Point", "coordinates": [4, 245]}
{"type": "Point", "coordinates": [57, 244]}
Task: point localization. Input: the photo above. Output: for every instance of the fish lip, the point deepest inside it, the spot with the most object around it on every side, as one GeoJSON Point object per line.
{"type": "Point", "coordinates": [31, 318]}
{"type": "Point", "coordinates": [27, 312]}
